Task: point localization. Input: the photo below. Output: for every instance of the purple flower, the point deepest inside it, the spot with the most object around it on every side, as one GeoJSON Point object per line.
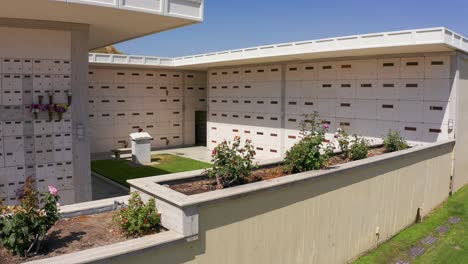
{"type": "Point", "coordinates": [326, 126]}
{"type": "Point", "coordinates": [53, 190]}
{"type": "Point", "coordinates": [36, 108]}
{"type": "Point", "coordinates": [60, 108]}
{"type": "Point", "coordinates": [337, 135]}
{"type": "Point", "coordinates": [48, 107]}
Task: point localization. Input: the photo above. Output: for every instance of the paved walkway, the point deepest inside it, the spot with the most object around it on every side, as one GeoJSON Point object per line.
{"type": "Point", "coordinates": [103, 189]}
{"type": "Point", "coordinates": [196, 152]}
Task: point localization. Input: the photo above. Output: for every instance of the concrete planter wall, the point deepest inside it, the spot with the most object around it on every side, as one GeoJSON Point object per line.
{"type": "Point", "coordinates": [329, 216]}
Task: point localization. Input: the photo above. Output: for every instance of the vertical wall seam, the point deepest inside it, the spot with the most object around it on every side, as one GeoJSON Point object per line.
{"type": "Point", "coordinates": [283, 109]}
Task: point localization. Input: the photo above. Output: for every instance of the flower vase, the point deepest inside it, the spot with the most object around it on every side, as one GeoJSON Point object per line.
{"type": "Point", "coordinates": [35, 115]}
{"type": "Point", "coordinates": [69, 97]}
{"type": "Point", "coordinates": [41, 97]}
{"type": "Point", "coordinates": [51, 116]}
{"type": "Point", "coordinates": [60, 114]}
{"type": "Point", "coordinates": [51, 99]}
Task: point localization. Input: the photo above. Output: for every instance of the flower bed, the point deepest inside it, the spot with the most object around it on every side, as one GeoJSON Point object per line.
{"type": "Point", "coordinates": [29, 233]}
{"type": "Point", "coordinates": [74, 234]}
{"type": "Point", "coordinates": [205, 184]}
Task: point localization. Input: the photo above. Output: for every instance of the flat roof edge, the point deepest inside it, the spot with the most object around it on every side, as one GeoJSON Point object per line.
{"type": "Point", "coordinates": [186, 9]}
{"type": "Point", "coordinates": [394, 39]}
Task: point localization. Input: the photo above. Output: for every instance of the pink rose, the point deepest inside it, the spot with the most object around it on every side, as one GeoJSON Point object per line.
{"type": "Point", "coordinates": [53, 190]}
{"type": "Point", "coordinates": [326, 126]}
{"type": "Point", "coordinates": [213, 153]}
{"type": "Point", "coordinates": [337, 136]}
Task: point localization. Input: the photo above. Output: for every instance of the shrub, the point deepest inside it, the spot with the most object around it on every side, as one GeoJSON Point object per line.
{"type": "Point", "coordinates": [138, 218]}
{"type": "Point", "coordinates": [393, 141]}
{"type": "Point", "coordinates": [310, 153]}
{"type": "Point", "coordinates": [343, 141]}
{"type": "Point", "coordinates": [23, 228]}
{"type": "Point", "coordinates": [232, 162]}
{"type": "Point", "coordinates": [359, 148]}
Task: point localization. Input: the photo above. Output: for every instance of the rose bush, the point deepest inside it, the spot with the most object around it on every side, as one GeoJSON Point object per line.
{"type": "Point", "coordinates": [232, 162]}
{"type": "Point", "coordinates": [393, 141]}
{"type": "Point", "coordinates": [23, 228]}
{"type": "Point", "coordinates": [313, 150]}
{"type": "Point", "coordinates": [138, 218]}
{"type": "Point", "coordinates": [343, 141]}
{"type": "Point", "coordinates": [359, 148]}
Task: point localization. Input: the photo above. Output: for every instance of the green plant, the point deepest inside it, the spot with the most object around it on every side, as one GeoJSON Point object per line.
{"type": "Point", "coordinates": [232, 162]}
{"type": "Point", "coordinates": [343, 141]}
{"type": "Point", "coordinates": [359, 148]}
{"type": "Point", "coordinates": [312, 151]}
{"type": "Point", "coordinates": [138, 218]}
{"type": "Point", "coordinates": [23, 228]}
{"type": "Point", "coordinates": [393, 141]}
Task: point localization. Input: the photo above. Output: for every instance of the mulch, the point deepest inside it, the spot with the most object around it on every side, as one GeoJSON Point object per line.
{"type": "Point", "coordinates": [72, 235]}
{"type": "Point", "coordinates": [203, 184]}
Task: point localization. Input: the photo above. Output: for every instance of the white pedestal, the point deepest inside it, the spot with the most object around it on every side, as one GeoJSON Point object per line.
{"type": "Point", "coordinates": [141, 148]}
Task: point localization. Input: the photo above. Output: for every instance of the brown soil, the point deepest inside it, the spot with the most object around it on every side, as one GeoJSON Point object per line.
{"type": "Point", "coordinates": [203, 184]}
{"type": "Point", "coordinates": [339, 159]}
{"type": "Point", "coordinates": [74, 234]}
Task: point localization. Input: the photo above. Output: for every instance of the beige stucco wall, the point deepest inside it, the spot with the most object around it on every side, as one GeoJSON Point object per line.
{"type": "Point", "coordinates": [460, 177]}
{"type": "Point", "coordinates": [328, 219]}
{"type": "Point", "coordinates": [162, 102]}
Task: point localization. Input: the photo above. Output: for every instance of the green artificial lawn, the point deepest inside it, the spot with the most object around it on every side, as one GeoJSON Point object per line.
{"type": "Point", "coordinates": [121, 170]}
{"type": "Point", "coordinates": [451, 247]}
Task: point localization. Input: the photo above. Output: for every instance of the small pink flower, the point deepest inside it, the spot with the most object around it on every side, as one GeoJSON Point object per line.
{"type": "Point", "coordinates": [337, 135]}
{"type": "Point", "coordinates": [326, 126]}
{"type": "Point", "coordinates": [53, 190]}
{"type": "Point", "coordinates": [213, 153]}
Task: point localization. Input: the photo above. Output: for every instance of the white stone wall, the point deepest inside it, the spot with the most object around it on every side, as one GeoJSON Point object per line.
{"type": "Point", "coordinates": [247, 102]}
{"type": "Point", "coordinates": [33, 62]}
{"type": "Point", "coordinates": [161, 102]}
{"type": "Point", "coordinates": [365, 96]}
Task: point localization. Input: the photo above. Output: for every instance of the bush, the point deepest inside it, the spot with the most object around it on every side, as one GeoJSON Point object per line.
{"type": "Point", "coordinates": [359, 148]}
{"type": "Point", "coordinates": [232, 162]}
{"type": "Point", "coordinates": [310, 153]}
{"type": "Point", "coordinates": [343, 141]}
{"type": "Point", "coordinates": [23, 228]}
{"type": "Point", "coordinates": [393, 141]}
{"type": "Point", "coordinates": [138, 218]}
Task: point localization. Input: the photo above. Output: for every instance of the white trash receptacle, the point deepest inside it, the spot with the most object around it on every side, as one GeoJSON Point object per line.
{"type": "Point", "coordinates": [141, 147]}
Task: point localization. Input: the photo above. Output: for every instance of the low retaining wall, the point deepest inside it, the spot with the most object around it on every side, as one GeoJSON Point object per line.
{"type": "Point", "coordinates": [327, 216]}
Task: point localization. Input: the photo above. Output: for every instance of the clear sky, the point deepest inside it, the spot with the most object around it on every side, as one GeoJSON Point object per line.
{"type": "Point", "coordinates": [245, 23]}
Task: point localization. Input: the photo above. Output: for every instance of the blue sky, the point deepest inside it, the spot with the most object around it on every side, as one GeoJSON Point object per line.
{"type": "Point", "coordinates": [245, 23]}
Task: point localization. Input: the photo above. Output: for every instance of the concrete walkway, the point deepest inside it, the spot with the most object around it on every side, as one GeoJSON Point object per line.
{"type": "Point", "coordinates": [195, 152]}
{"type": "Point", "coordinates": [104, 188]}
